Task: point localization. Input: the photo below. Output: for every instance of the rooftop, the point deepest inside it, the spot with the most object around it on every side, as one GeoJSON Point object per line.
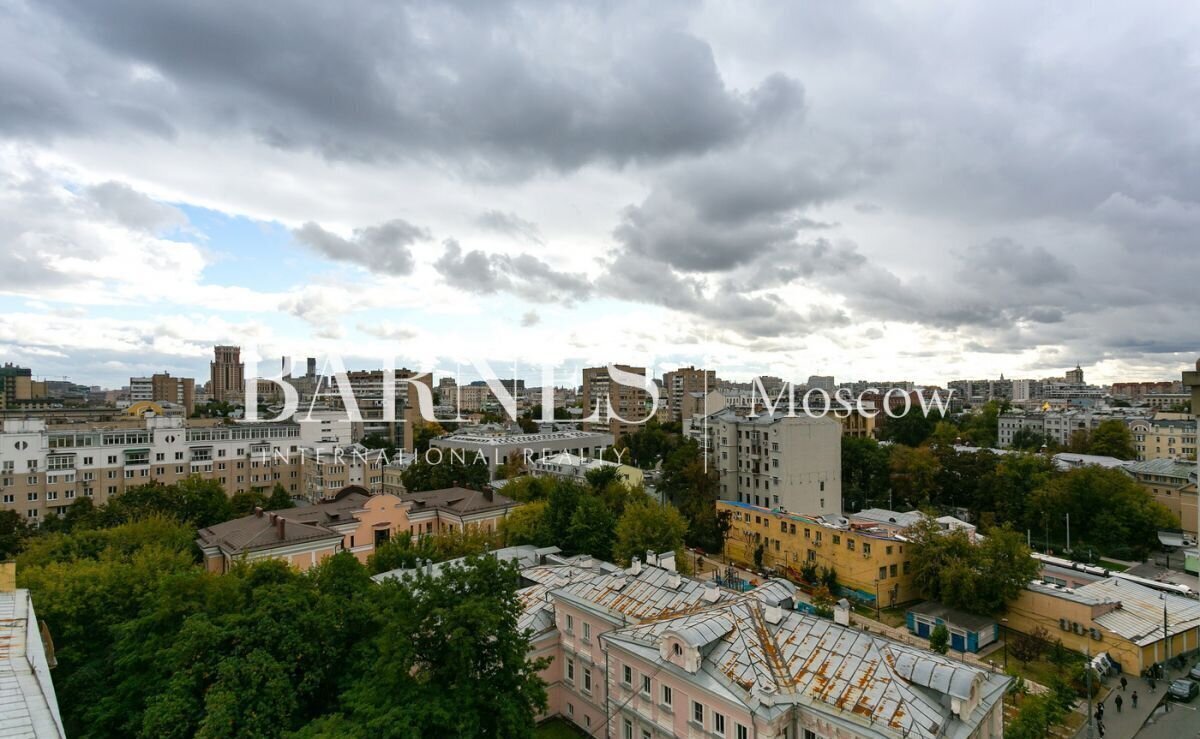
{"type": "Point", "coordinates": [462, 501]}
{"type": "Point", "coordinates": [518, 439]}
{"type": "Point", "coordinates": [1181, 469]}
{"type": "Point", "coordinates": [28, 706]}
{"type": "Point", "coordinates": [1140, 615]}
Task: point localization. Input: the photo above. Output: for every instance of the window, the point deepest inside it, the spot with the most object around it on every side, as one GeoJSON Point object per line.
{"type": "Point", "coordinates": [677, 650]}
{"type": "Point", "coordinates": [627, 675]}
{"type": "Point", "coordinates": [587, 679]}
{"type": "Point", "coordinates": [627, 729]}
{"type": "Point", "coordinates": [698, 712]}
{"type": "Point", "coordinates": [587, 631]}
{"type": "Point", "coordinates": [882, 573]}
{"type": "Point", "coordinates": [666, 695]}
{"type": "Point", "coordinates": [719, 723]}
{"type": "Point", "coordinates": [570, 670]}
{"type": "Point", "coordinates": [742, 732]}
{"type": "Point", "coordinates": [570, 624]}
{"type": "Point", "coordinates": [646, 685]}
{"type": "Point", "coordinates": [570, 709]}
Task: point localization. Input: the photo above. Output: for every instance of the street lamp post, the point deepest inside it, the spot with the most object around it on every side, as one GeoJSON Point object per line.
{"type": "Point", "coordinates": [1004, 626]}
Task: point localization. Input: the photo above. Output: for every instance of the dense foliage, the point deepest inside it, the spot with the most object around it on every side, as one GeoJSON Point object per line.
{"type": "Point", "coordinates": [149, 644]}
{"type": "Point", "coordinates": [976, 577]}
{"type": "Point", "coordinates": [448, 472]}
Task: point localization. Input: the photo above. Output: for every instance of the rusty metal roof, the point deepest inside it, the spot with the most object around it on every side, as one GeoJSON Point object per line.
{"type": "Point", "coordinates": [850, 674]}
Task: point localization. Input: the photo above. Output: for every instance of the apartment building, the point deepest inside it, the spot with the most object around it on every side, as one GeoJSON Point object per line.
{"type": "Point", "coordinates": [618, 407]}
{"type": "Point", "coordinates": [678, 389]}
{"type": "Point", "coordinates": [328, 470]}
{"type": "Point", "coordinates": [1172, 482]}
{"type": "Point", "coordinates": [1164, 436]}
{"type": "Point", "coordinates": [227, 374]}
{"type": "Point", "coordinates": [162, 388]}
{"type": "Point", "coordinates": [44, 469]}
{"type": "Point", "coordinates": [778, 461]}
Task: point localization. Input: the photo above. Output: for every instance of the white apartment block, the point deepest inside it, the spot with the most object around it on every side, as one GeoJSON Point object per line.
{"type": "Point", "coordinates": [777, 461]}
{"type": "Point", "coordinates": [44, 469]}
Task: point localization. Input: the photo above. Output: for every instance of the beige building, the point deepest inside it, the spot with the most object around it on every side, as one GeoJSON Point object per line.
{"type": "Point", "coordinates": [227, 379]}
{"type": "Point", "coordinates": [607, 400]}
{"type": "Point", "coordinates": [1172, 483]}
{"type": "Point", "coordinates": [162, 388]}
{"type": "Point", "coordinates": [1165, 436]}
{"type": "Point", "coordinates": [679, 388]}
{"type": "Point", "coordinates": [778, 461]}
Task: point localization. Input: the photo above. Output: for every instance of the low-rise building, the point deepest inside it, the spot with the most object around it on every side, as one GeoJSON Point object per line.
{"type": "Point", "coordinates": [868, 555]}
{"type": "Point", "coordinates": [573, 467]}
{"type": "Point", "coordinates": [352, 521]}
{"type": "Point", "coordinates": [499, 449]}
{"type": "Point", "coordinates": [1107, 613]}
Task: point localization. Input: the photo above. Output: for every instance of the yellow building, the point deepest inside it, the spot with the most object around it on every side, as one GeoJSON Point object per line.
{"type": "Point", "coordinates": [868, 557]}
{"type": "Point", "coordinates": [1107, 614]}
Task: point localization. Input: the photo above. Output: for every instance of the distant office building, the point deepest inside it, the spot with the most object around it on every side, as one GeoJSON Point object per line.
{"type": "Point", "coordinates": [501, 449]}
{"type": "Point", "coordinates": [228, 375]}
{"type": "Point", "coordinates": [1075, 376]}
{"type": "Point", "coordinates": [620, 408]}
{"type": "Point", "coordinates": [679, 387]}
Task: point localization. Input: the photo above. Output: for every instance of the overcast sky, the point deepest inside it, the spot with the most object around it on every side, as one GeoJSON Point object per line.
{"type": "Point", "coordinates": [923, 192]}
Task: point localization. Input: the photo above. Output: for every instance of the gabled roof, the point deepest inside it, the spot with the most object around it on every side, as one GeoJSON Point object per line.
{"type": "Point", "coordinates": [262, 531]}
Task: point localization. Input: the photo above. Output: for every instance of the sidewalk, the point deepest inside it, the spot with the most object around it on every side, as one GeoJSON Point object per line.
{"type": "Point", "coordinates": [1127, 723]}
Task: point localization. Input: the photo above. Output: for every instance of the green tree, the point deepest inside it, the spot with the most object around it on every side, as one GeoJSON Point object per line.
{"type": "Point", "coordinates": [450, 659]}
{"type": "Point", "coordinates": [1112, 438]}
{"type": "Point", "coordinates": [1027, 439]}
{"type": "Point", "coordinates": [939, 639]}
{"type": "Point", "coordinates": [425, 432]}
{"type": "Point", "coordinates": [911, 429]}
{"type": "Point", "coordinates": [450, 472]}
{"type": "Point", "coordinates": [978, 578]}
{"type": "Point", "coordinates": [527, 525]}
{"type": "Point", "coordinates": [648, 526]}
{"type": "Point", "coordinates": [13, 533]}
{"type": "Point", "coordinates": [1109, 510]}
{"type": "Point", "coordinates": [914, 475]}
{"type": "Point", "coordinates": [592, 528]}
{"type": "Point", "coordinates": [280, 499]}
{"type": "Point", "coordinates": [865, 473]}
{"type": "Point", "coordinates": [1028, 647]}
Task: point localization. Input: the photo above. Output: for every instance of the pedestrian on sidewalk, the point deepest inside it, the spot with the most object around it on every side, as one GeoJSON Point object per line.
{"type": "Point", "coordinates": [1100, 726]}
{"type": "Point", "coordinates": [1118, 701]}
{"type": "Point", "coordinates": [1151, 685]}
{"type": "Point", "coordinates": [1135, 699]}
{"type": "Point", "coordinates": [1124, 682]}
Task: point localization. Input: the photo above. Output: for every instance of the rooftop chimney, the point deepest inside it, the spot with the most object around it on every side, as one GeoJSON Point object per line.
{"type": "Point", "coordinates": [279, 522]}
{"type": "Point", "coordinates": [651, 558]}
{"type": "Point", "coordinates": [635, 567]}
{"type": "Point", "coordinates": [711, 592]}
{"type": "Point", "coordinates": [773, 614]}
{"type": "Point", "coordinates": [666, 560]}
{"type": "Point", "coordinates": [258, 511]}
{"type": "Point", "coordinates": [674, 580]}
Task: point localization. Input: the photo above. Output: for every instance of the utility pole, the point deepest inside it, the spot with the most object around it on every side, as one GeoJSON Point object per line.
{"type": "Point", "coordinates": [1068, 533]}
{"type": "Point", "coordinates": [1088, 678]}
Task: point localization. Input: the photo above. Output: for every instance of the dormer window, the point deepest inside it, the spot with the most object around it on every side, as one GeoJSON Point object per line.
{"type": "Point", "coordinates": [677, 650]}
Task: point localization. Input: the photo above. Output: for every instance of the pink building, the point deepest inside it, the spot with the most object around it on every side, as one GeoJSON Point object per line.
{"type": "Point", "coordinates": [643, 652]}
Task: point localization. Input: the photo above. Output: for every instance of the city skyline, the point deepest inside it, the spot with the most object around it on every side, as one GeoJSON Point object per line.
{"type": "Point", "coordinates": [723, 187]}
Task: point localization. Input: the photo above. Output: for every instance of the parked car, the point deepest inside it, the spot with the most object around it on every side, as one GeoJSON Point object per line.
{"type": "Point", "coordinates": [1183, 689]}
{"type": "Point", "coordinates": [1195, 673]}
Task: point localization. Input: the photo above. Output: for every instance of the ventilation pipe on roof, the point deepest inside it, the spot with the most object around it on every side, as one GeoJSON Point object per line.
{"type": "Point", "coordinates": [674, 580]}
{"type": "Point", "coordinates": [651, 558]}
{"type": "Point", "coordinates": [712, 593]}
{"type": "Point", "coordinates": [635, 567]}
{"type": "Point", "coordinates": [773, 614]}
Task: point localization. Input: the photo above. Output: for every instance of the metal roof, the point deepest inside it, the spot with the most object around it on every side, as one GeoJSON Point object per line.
{"type": "Point", "coordinates": [841, 672]}
{"type": "Point", "coordinates": [28, 707]}
{"type": "Point", "coordinates": [1140, 615]}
